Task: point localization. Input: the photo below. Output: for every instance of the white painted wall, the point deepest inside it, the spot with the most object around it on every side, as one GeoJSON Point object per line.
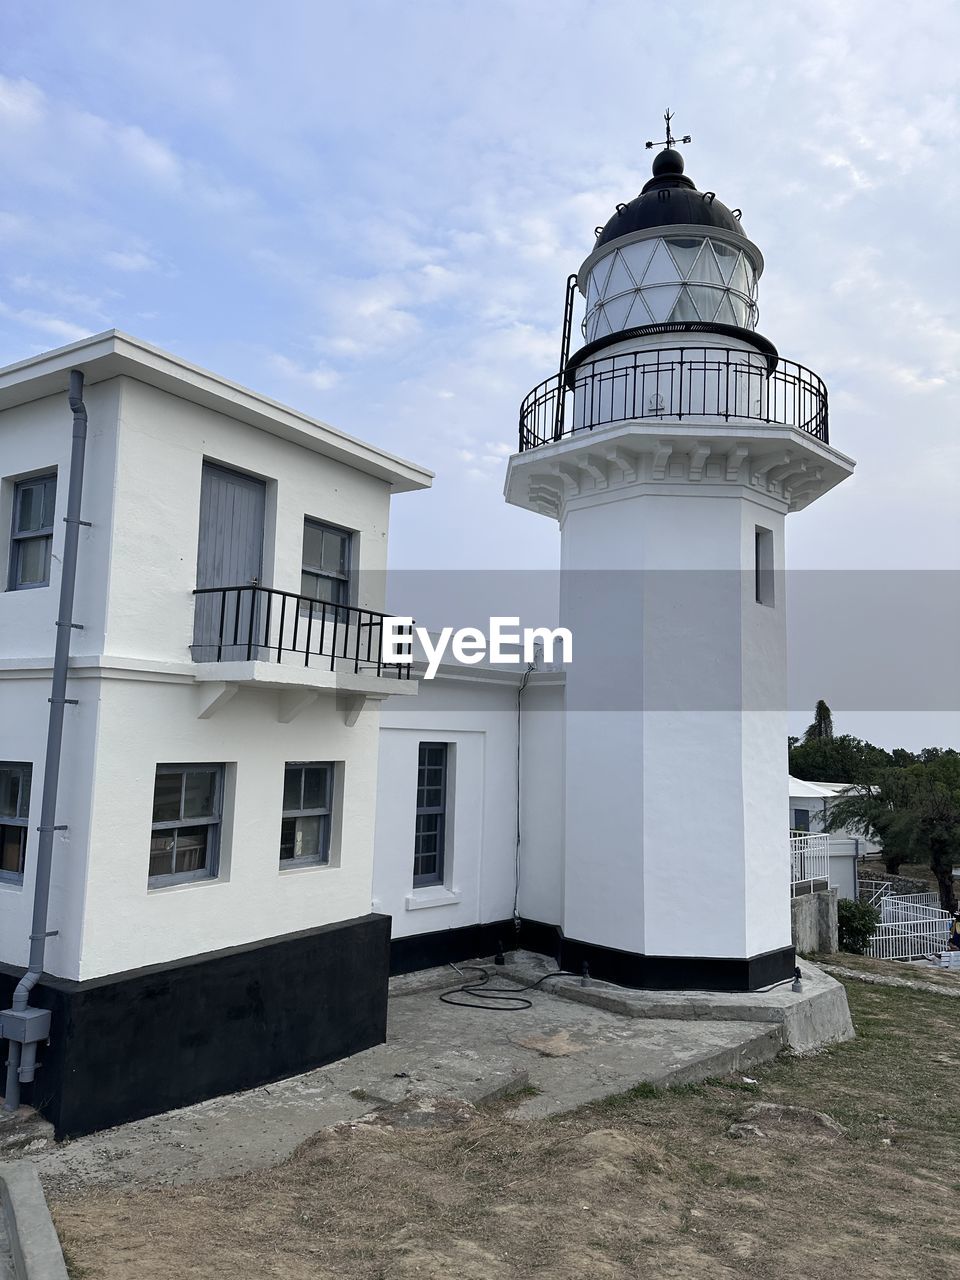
{"type": "Point", "coordinates": [543, 781]}
{"type": "Point", "coordinates": [479, 719]}
{"type": "Point", "coordinates": [679, 796]}
{"type": "Point", "coordinates": [144, 723]}
{"type": "Point", "coordinates": [36, 438]}
{"type": "Point", "coordinates": [138, 696]}
{"type": "Point", "coordinates": [154, 562]}
{"type": "Point", "coordinates": [23, 736]}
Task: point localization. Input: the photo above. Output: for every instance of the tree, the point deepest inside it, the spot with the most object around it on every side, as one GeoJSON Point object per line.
{"type": "Point", "coordinates": [843, 759]}
{"type": "Point", "coordinates": [822, 728]}
{"type": "Point", "coordinates": [913, 813]}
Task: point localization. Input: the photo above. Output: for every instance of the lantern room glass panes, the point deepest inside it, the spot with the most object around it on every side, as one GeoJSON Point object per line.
{"type": "Point", "coordinates": [640, 284]}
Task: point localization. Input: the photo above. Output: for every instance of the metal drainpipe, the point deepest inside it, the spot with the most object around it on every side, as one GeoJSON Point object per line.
{"type": "Point", "coordinates": [21, 1060]}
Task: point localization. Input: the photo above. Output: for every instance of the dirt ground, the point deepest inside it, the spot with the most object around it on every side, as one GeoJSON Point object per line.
{"type": "Point", "coordinates": [647, 1184]}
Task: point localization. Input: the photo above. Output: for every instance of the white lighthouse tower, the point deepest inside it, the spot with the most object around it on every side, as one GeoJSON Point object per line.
{"type": "Point", "coordinates": [670, 448]}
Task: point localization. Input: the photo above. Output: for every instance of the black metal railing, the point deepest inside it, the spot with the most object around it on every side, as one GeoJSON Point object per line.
{"type": "Point", "coordinates": [679, 382]}
{"type": "Point", "coordinates": [253, 623]}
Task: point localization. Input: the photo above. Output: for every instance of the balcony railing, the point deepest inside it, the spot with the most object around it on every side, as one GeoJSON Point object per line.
{"type": "Point", "coordinates": [727, 384]}
{"type": "Point", "coordinates": [257, 624]}
{"type": "Point", "coordinates": [809, 862]}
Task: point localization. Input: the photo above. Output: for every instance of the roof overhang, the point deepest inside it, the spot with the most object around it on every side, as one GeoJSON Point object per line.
{"type": "Point", "coordinates": [113, 354]}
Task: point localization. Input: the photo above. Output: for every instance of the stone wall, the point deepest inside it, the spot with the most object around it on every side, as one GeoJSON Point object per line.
{"type": "Point", "coordinates": [813, 918]}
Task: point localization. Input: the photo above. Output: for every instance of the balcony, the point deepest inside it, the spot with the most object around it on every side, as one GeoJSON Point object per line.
{"type": "Point", "coordinates": [728, 385]}
{"type": "Point", "coordinates": [300, 646]}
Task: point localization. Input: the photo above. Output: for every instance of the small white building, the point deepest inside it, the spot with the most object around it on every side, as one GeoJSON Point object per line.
{"type": "Point", "coordinates": [810, 803]}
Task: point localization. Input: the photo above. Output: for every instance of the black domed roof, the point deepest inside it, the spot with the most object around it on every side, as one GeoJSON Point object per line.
{"type": "Point", "coordinates": [669, 198]}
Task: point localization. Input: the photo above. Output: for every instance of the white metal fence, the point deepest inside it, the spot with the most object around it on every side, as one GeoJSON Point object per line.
{"type": "Point", "coordinates": [872, 891]}
{"type": "Point", "coordinates": [911, 925]}
{"type": "Point", "coordinates": [809, 861]}
{"type": "Point", "coordinates": [909, 939]}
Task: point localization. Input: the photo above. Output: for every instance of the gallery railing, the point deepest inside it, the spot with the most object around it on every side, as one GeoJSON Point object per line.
{"type": "Point", "coordinates": [727, 384]}
{"type": "Point", "coordinates": [253, 623]}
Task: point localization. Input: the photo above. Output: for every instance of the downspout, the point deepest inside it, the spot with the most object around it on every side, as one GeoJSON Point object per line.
{"type": "Point", "coordinates": [32, 1025]}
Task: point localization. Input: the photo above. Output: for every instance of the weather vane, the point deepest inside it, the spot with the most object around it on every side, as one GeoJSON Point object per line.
{"type": "Point", "coordinates": [668, 116]}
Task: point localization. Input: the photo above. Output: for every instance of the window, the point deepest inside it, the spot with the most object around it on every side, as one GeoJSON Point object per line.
{"type": "Point", "coordinates": [801, 819]}
{"type": "Point", "coordinates": [32, 537]}
{"type": "Point", "coordinates": [429, 840]}
{"type": "Point", "coordinates": [187, 804]}
{"type": "Point", "coordinates": [764, 565]}
{"type": "Point", "coordinates": [326, 563]}
{"type": "Point", "coordinates": [14, 813]}
{"type": "Point", "coordinates": [305, 828]}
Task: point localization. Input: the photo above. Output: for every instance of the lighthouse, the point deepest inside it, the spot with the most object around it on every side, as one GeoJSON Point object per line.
{"type": "Point", "coordinates": [670, 448]}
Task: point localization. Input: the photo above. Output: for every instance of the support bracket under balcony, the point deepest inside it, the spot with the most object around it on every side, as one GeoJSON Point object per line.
{"type": "Point", "coordinates": [215, 696]}
{"type": "Point", "coordinates": [351, 708]}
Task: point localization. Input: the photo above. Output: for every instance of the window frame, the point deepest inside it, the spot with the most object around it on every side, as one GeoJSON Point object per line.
{"type": "Point", "coordinates": [344, 578]}
{"type": "Point", "coordinates": [764, 566]}
{"type": "Point", "coordinates": [322, 857]}
{"type": "Point", "coordinates": [211, 868]}
{"type": "Point", "coordinates": [19, 538]}
{"type": "Point", "coordinates": [21, 821]}
{"type": "Point", "coordinates": [422, 880]}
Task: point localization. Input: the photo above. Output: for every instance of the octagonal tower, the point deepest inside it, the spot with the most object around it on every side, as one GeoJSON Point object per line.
{"type": "Point", "coordinates": [670, 448]}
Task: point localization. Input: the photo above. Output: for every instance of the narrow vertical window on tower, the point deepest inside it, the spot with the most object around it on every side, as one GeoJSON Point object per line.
{"type": "Point", "coordinates": [430, 838]}
{"type": "Point", "coordinates": [764, 566]}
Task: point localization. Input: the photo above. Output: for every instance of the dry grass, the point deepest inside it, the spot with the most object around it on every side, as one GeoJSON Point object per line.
{"type": "Point", "coordinates": [647, 1184]}
{"type": "Point", "coordinates": [949, 979]}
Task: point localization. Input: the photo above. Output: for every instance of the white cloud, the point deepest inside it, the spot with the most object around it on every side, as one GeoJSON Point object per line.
{"type": "Point", "coordinates": [320, 378]}
{"type": "Point", "coordinates": [46, 322]}
{"type": "Point", "coordinates": [129, 260]}
{"type": "Point", "coordinates": [22, 104]}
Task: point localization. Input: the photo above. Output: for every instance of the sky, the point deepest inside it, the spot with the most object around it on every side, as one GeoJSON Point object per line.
{"type": "Point", "coordinates": [369, 211]}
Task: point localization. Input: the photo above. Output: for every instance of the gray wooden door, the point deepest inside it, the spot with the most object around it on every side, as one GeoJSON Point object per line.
{"type": "Point", "coordinates": [229, 556]}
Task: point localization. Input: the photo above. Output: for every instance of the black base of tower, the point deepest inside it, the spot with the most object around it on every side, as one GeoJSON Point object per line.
{"type": "Point", "coordinates": [625, 968]}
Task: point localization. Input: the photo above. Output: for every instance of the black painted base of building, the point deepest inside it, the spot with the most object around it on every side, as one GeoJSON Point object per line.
{"type": "Point", "coordinates": [138, 1043]}
{"type": "Point", "coordinates": [626, 968]}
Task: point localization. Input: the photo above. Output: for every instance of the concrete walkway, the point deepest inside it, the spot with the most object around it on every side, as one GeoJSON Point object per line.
{"type": "Point", "coordinates": [560, 1053]}
{"type": "Point", "coordinates": [6, 1258]}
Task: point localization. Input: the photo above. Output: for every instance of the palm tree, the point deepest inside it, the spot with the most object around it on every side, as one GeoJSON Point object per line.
{"type": "Point", "coordinates": [822, 728]}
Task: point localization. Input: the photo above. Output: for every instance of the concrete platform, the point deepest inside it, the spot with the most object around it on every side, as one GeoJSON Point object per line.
{"type": "Point", "coordinates": [809, 1019]}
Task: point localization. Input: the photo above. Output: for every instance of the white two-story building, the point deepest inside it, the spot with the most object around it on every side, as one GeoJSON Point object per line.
{"type": "Point", "coordinates": [218, 787]}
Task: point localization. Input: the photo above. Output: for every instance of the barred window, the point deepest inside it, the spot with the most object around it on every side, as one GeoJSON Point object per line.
{"type": "Point", "coordinates": [430, 837]}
